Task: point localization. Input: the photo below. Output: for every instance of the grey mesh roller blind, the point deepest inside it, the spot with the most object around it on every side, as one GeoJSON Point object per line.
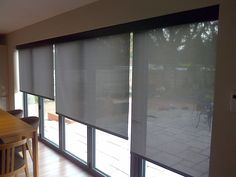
{"type": "Point", "coordinates": [173, 85]}
{"type": "Point", "coordinates": [92, 82]}
{"type": "Point", "coordinates": [36, 71]}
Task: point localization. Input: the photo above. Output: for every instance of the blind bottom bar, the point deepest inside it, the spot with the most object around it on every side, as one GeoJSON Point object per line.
{"type": "Point", "coordinates": [93, 126]}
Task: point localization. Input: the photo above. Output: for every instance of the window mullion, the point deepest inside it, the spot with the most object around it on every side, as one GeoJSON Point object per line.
{"type": "Point", "coordinates": [137, 166]}
{"type": "Point", "coordinates": [91, 147]}
{"type": "Point", "coordinates": [25, 104]}
{"type": "Point", "coordinates": [41, 117]}
{"type": "Point", "coordinates": [61, 133]}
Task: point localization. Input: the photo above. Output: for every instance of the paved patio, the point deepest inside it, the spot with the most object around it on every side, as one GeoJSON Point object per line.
{"type": "Point", "coordinates": [179, 141]}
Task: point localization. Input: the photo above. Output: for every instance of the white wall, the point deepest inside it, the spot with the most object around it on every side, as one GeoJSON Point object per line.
{"type": "Point", "coordinates": [3, 76]}
{"type": "Point", "coordinates": [223, 152]}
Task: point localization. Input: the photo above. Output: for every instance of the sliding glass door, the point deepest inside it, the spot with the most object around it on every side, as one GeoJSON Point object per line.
{"type": "Point", "coordinates": [174, 70]}
{"type": "Point", "coordinates": [153, 79]}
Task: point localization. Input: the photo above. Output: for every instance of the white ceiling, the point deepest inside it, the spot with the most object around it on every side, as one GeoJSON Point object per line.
{"type": "Point", "coordinates": [16, 14]}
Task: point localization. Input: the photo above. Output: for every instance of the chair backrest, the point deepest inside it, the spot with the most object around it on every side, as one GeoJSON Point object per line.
{"type": "Point", "coordinates": [31, 120]}
{"type": "Point", "coordinates": [16, 112]}
{"type": "Point", "coordinates": [8, 163]}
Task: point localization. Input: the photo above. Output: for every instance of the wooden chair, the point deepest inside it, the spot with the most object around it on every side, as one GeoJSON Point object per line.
{"type": "Point", "coordinates": [34, 122]}
{"type": "Point", "coordinates": [12, 163]}
{"type": "Point", "coordinates": [31, 120]}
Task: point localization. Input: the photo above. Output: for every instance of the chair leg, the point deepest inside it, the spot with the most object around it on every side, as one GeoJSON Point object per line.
{"type": "Point", "coordinates": [25, 159]}
{"type": "Point", "coordinates": [26, 171]}
{"type": "Point", "coordinates": [199, 117]}
{"type": "Point", "coordinates": [28, 146]}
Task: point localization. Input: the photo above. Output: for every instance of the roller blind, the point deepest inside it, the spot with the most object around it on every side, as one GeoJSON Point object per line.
{"type": "Point", "coordinates": [36, 71]}
{"type": "Point", "coordinates": [92, 82]}
{"type": "Point", "coordinates": [173, 85]}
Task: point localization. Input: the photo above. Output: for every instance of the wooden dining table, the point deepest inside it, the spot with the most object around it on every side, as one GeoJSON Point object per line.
{"type": "Point", "coordinates": [12, 127]}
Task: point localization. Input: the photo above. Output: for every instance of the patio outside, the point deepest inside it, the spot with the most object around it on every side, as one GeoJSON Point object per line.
{"type": "Point", "coordinates": [181, 136]}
